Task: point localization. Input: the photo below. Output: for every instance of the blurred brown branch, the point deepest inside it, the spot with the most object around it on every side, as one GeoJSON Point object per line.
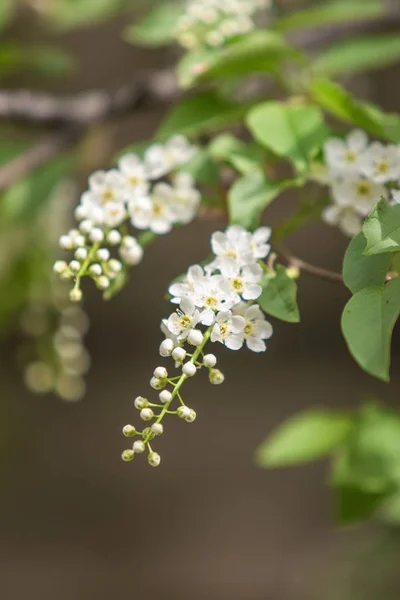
{"type": "Point", "coordinates": [72, 116]}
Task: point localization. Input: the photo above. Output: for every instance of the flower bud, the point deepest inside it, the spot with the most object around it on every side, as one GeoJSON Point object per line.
{"type": "Point", "coordinates": [129, 431]}
{"type": "Point", "coordinates": [195, 337]}
{"type": "Point", "coordinates": [166, 347]}
{"type": "Point", "coordinates": [81, 254]}
{"type": "Point", "coordinates": [103, 282]}
{"type": "Point", "coordinates": [127, 455]}
{"type": "Point", "coordinates": [189, 369]}
{"type": "Point", "coordinates": [179, 354]}
{"type": "Point", "coordinates": [139, 447]}
{"type": "Point", "coordinates": [74, 265]}
{"type": "Point", "coordinates": [191, 417]}
{"type": "Point", "coordinates": [141, 402]}
{"type": "Point", "coordinates": [114, 237]}
{"type": "Point", "coordinates": [157, 384]}
{"type": "Point", "coordinates": [183, 412]}
{"type": "Point", "coordinates": [80, 212]}
{"type": "Point", "coordinates": [95, 270]}
{"type": "Point", "coordinates": [59, 266]}
{"type": "Point", "coordinates": [103, 254]}
{"type": "Point", "coordinates": [293, 272]}
{"type": "Point", "coordinates": [160, 372]}
{"type": "Point", "coordinates": [86, 226]}
{"type": "Point", "coordinates": [146, 414]}
{"type": "Point", "coordinates": [96, 235]}
{"type": "Point", "coordinates": [66, 242]}
{"type": "Point", "coordinates": [157, 428]}
{"type": "Point", "coordinates": [75, 295]}
{"type": "Point", "coordinates": [209, 360]}
{"type": "Point", "coordinates": [128, 241]}
{"type": "Point", "coordinates": [216, 377]}
{"type": "Point", "coordinates": [115, 265]}
{"type": "Point", "coordinates": [165, 396]}
{"type": "Point", "coordinates": [154, 459]}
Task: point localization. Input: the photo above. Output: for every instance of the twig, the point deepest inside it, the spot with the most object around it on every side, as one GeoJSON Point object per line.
{"type": "Point", "coordinates": [302, 265]}
{"type": "Point", "coordinates": [87, 108]}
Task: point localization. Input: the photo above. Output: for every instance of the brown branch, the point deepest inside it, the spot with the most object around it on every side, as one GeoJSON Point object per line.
{"type": "Point", "coordinates": [72, 117]}
{"type": "Point", "coordinates": [86, 108]}
{"type": "Point", "coordinates": [305, 267]}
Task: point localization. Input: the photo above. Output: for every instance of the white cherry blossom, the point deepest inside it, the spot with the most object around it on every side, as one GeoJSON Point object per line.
{"type": "Point", "coordinates": [180, 289]}
{"type": "Point", "coordinates": [229, 330]}
{"type": "Point", "coordinates": [359, 192]}
{"type": "Point", "coordinates": [181, 322]}
{"type": "Point", "coordinates": [346, 155]}
{"type": "Point", "coordinates": [381, 163]}
{"type": "Point", "coordinates": [257, 328]}
{"type": "Point", "coordinates": [241, 281]}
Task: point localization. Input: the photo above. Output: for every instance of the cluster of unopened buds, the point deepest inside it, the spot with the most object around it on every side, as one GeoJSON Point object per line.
{"type": "Point", "coordinates": [217, 303]}
{"type": "Point", "coordinates": [56, 331]}
{"type": "Point", "coordinates": [359, 174]}
{"type": "Point", "coordinates": [213, 22]}
{"type": "Point", "coordinates": [150, 194]}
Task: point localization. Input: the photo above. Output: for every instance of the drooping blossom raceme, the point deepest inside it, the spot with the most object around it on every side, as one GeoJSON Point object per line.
{"type": "Point", "coordinates": [217, 303]}
{"type": "Point", "coordinates": [52, 351]}
{"type": "Point", "coordinates": [359, 174]}
{"type": "Point", "coordinates": [213, 22]}
{"type": "Point", "coordinates": [149, 194]}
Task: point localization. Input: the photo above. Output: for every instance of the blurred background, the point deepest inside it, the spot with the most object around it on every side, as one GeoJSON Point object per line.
{"type": "Point", "coordinates": [76, 523]}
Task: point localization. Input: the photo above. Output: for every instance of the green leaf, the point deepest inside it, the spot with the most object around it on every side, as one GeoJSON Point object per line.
{"type": "Point", "coordinates": [382, 229]}
{"type": "Point", "coordinates": [279, 296]}
{"type": "Point", "coordinates": [358, 54]}
{"type": "Point", "coordinates": [250, 195]}
{"type": "Point", "coordinates": [158, 27]}
{"type": "Point", "coordinates": [367, 324]}
{"type": "Point", "coordinates": [294, 131]}
{"type": "Point", "coordinates": [308, 436]}
{"type": "Point", "coordinates": [330, 13]}
{"type": "Point", "coordinates": [360, 271]}
{"type": "Point", "coordinates": [337, 101]}
{"type": "Point", "coordinates": [369, 461]}
{"type": "Point", "coordinates": [255, 52]}
{"type": "Point", "coordinates": [202, 113]}
{"type": "Point", "coordinates": [354, 505]}
{"type": "Point", "coordinates": [243, 157]}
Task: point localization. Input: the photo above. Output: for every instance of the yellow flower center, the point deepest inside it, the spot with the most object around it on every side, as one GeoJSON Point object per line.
{"type": "Point", "coordinates": [185, 321]}
{"type": "Point", "coordinates": [237, 284]}
{"type": "Point", "coordinates": [350, 156]}
{"type": "Point", "coordinates": [107, 196]}
{"type": "Point", "coordinates": [248, 330]}
{"type": "Point", "coordinates": [211, 302]}
{"type": "Point", "coordinates": [363, 188]}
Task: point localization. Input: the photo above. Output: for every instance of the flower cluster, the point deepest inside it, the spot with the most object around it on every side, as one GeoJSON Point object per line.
{"type": "Point", "coordinates": [217, 303]}
{"type": "Point", "coordinates": [359, 174]}
{"type": "Point", "coordinates": [56, 331]}
{"type": "Point", "coordinates": [213, 22]}
{"type": "Point", "coordinates": [150, 194]}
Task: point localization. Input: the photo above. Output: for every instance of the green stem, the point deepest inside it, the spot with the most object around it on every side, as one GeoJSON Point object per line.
{"type": "Point", "coordinates": [90, 258]}
{"type": "Point", "coordinates": [182, 378]}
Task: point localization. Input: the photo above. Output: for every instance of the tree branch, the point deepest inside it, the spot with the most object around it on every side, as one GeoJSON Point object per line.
{"type": "Point", "coordinates": [305, 267]}
{"type": "Point", "coordinates": [71, 117]}
{"type": "Point", "coordinates": [87, 108]}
